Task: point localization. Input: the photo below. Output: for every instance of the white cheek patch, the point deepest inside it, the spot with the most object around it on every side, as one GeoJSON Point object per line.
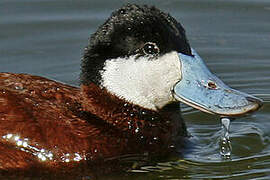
{"type": "Point", "coordinates": [144, 82]}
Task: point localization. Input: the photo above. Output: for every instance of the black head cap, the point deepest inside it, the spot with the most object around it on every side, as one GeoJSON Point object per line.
{"type": "Point", "coordinates": [126, 32]}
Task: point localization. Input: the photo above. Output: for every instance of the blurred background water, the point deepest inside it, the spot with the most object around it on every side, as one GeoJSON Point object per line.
{"type": "Point", "coordinates": [47, 38]}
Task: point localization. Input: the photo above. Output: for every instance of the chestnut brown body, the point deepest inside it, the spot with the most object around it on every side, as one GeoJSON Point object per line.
{"type": "Point", "coordinates": [49, 125]}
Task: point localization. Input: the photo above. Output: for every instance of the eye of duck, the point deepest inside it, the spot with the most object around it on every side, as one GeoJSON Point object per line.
{"type": "Point", "coordinates": [150, 49]}
{"type": "Point", "coordinates": [125, 105]}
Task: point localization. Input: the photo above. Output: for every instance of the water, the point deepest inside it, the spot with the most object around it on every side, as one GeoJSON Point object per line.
{"type": "Point", "coordinates": [225, 143]}
{"type": "Point", "coordinates": [47, 37]}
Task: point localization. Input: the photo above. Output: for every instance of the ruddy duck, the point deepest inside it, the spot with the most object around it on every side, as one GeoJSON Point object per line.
{"type": "Point", "coordinates": [135, 69]}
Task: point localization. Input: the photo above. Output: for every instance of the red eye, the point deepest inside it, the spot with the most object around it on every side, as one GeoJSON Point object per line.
{"type": "Point", "coordinates": [150, 48]}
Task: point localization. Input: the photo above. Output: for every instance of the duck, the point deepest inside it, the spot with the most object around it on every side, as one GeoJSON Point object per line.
{"type": "Point", "coordinates": [135, 70]}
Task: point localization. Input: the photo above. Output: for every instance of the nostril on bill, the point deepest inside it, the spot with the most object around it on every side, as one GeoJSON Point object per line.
{"type": "Point", "coordinates": [212, 85]}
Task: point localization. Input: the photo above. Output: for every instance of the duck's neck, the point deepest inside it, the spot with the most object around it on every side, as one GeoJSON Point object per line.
{"type": "Point", "coordinates": [131, 118]}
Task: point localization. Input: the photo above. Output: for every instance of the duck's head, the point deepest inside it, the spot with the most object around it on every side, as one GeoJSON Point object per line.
{"type": "Point", "coordinates": [142, 56]}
